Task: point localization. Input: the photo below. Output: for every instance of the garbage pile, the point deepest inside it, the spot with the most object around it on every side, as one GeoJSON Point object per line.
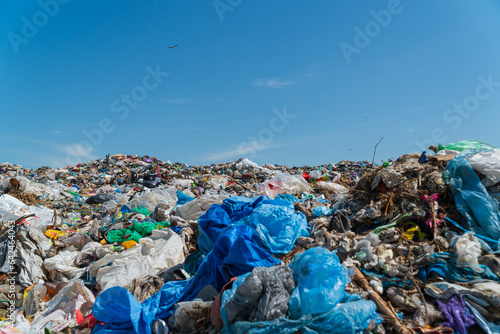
{"type": "Point", "coordinates": [130, 244]}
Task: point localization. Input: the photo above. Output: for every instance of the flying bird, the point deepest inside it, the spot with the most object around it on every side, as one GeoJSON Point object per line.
{"type": "Point", "coordinates": [172, 47]}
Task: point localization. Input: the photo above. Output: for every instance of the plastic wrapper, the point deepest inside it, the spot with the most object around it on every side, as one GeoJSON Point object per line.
{"type": "Point", "coordinates": [284, 184]}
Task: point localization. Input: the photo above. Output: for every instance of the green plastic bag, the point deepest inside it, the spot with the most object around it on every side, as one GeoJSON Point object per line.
{"type": "Point", "coordinates": [466, 144]}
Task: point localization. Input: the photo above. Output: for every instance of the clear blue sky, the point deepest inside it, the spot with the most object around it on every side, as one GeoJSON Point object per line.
{"type": "Point", "coordinates": [235, 68]}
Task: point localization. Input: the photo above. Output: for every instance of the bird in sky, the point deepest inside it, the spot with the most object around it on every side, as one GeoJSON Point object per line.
{"type": "Point", "coordinates": [172, 47]}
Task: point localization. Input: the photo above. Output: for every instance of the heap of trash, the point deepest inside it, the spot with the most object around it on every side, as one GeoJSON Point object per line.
{"type": "Point", "coordinates": [130, 244]}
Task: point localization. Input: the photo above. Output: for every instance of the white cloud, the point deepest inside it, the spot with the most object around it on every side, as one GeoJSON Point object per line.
{"type": "Point", "coordinates": [244, 150]}
{"type": "Point", "coordinates": [272, 83]}
{"type": "Point", "coordinates": [180, 101]}
{"type": "Point", "coordinates": [80, 151]}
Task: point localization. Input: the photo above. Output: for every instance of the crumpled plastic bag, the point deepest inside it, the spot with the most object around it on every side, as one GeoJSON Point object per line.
{"type": "Point", "coordinates": [261, 295]}
{"type": "Point", "coordinates": [276, 221]}
{"type": "Point", "coordinates": [246, 164]}
{"type": "Point", "coordinates": [61, 267]}
{"type": "Point", "coordinates": [320, 281]}
{"type": "Point", "coordinates": [472, 200]}
{"type": "Point", "coordinates": [30, 251]}
{"type": "Point", "coordinates": [278, 225]}
{"type": "Point", "coordinates": [331, 187]}
{"type": "Point", "coordinates": [163, 249]}
{"type": "Point", "coordinates": [284, 184]}
{"type": "Point", "coordinates": [468, 250]}
{"type": "Point", "coordinates": [60, 310]}
{"type": "Point", "coordinates": [192, 210]}
{"type": "Point", "coordinates": [488, 164]}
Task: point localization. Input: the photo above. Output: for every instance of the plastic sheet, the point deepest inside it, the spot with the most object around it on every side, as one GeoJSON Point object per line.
{"type": "Point", "coordinates": [163, 249]}
{"type": "Point", "coordinates": [444, 265]}
{"type": "Point", "coordinates": [320, 281]}
{"type": "Point", "coordinates": [278, 224]}
{"type": "Point", "coordinates": [236, 252]}
{"type": "Point", "coordinates": [192, 210]}
{"type": "Point", "coordinates": [349, 318]}
{"type": "Point", "coordinates": [275, 221]}
{"type": "Point", "coordinates": [479, 210]}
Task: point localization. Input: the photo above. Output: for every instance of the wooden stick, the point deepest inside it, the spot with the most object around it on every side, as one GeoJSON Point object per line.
{"type": "Point", "coordinates": [382, 306]}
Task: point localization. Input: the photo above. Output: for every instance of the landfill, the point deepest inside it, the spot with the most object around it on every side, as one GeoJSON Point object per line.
{"type": "Point", "coordinates": [133, 244]}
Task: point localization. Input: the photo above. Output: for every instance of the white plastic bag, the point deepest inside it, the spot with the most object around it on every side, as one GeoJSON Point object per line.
{"type": "Point", "coordinates": [468, 250]}
{"type": "Point", "coordinates": [246, 164]}
{"type": "Point", "coordinates": [488, 164]}
{"type": "Point", "coordinates": [331, 187]}
{"type": "Point", "coordinates": [284, 184]}
{"type": "Point", "coordinates": [163, 249]}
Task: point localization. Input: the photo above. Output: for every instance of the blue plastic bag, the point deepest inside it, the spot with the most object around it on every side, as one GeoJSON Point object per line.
{"type": "Point", "coordinates": [472, 200]}
{"type": "Point", "coordinates": [183, 198]}
{"type": "Point", "coordinates": [287, 197]}
{"type": "Point", "coordinates": [322, 211]}
{"type": "Point", "coordinates": [320, 281]}
{"type": "Point", "coordinates": [220, 216]}
{"type": "Point", "coordinates": [276, 221]}
{"type": "Point", "coordinates": [278, 225]}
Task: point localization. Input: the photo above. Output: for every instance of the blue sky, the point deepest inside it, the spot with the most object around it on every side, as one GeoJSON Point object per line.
{"type": "Point", "coordinates": [288, 82]}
